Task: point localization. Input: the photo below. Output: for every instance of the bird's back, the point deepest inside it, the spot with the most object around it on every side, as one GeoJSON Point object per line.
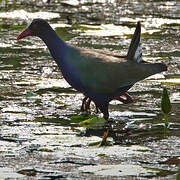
{"type": "Point", "coordinates": [104, 73]}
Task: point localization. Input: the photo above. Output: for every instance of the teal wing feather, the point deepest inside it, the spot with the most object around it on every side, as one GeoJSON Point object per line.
{"type": "Point", "coordinates": [104, 73]}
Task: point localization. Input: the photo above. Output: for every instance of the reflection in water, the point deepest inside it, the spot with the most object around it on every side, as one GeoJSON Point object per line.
{"type": "Point", "coordinates": [27, 59]}
{"type": "Point", "coordinates": [38, 105]}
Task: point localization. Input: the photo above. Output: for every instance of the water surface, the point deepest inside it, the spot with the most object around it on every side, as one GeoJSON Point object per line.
{"type": "Point", "coordinates": [40, 131]}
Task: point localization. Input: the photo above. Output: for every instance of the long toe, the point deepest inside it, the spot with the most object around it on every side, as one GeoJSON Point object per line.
{"type": "Point", "coordinates": [104, 139]}
{"type": "Point", "coordinates": [84, 104]}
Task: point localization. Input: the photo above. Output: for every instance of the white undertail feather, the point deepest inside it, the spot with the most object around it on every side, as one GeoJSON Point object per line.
{"type": "Point", "coordinates": [135, 48]}
{"type": "Point", "coordinates": [138, 53]}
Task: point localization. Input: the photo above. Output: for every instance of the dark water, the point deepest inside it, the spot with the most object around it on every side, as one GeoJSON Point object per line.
{"type": "Point", "coordinates": [40, 134]}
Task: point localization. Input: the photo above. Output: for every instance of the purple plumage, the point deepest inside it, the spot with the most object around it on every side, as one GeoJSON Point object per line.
{"type": "Point", "coordinates": [99, 75]}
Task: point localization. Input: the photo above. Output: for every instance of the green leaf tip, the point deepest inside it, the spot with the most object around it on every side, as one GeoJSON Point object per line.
{"type": "Point", "coordinates": [165, 102]}
{"type": "Point", "coordinates": [93, 122]}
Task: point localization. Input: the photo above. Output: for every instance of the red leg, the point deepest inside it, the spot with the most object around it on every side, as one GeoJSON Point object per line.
{"type": "Point", "coordinates": [127, 99]}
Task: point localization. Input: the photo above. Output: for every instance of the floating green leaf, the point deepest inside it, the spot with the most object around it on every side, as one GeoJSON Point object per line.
{"type": "Point", "coordinates": [93, 122]}
{"type": "Point", "coordinates": [80, 118]}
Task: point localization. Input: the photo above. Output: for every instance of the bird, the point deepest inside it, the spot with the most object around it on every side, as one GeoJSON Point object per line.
{"type": "Point", "coordinates": [101, 76]}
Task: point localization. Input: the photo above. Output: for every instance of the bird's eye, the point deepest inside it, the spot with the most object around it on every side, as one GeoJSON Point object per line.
{"type": "Point", "coordinates": [35, 26]}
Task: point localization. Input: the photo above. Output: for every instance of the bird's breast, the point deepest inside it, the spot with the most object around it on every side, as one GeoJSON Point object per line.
{"type": "Point", "coordinates": [70, 74]}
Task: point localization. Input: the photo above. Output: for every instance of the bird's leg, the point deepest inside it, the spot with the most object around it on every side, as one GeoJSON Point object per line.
{"type": "Point", "coordinates": [125, 101]}
{"type": "Point", "coordinates": [84, 104]}
{"type": "Point", "coordinates": [106, 114]}
{"type": "Point", "coordinates": [106, 132]}
{"type": "Point", "coordinates": [106, 117]}
{"type": "Point", "coordinates": [87, 105]}
{"type": "Point", "coordinates": [97, 109]}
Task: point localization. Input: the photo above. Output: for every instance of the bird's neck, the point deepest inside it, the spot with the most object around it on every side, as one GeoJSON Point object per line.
{"type": "Point", "coordinates": [57, 47]}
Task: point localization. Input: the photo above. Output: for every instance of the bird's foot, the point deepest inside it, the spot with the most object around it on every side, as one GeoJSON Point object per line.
{"type": "Point", "coordinates": [106, 132]}
{"type": "Point", "coordinates": [103, 142]}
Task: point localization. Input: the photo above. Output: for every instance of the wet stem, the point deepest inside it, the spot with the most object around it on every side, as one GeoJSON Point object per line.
{"type": "Point", "coordinates": [166, 124]}
{"type": "Point", "coordinates": [166, 119]}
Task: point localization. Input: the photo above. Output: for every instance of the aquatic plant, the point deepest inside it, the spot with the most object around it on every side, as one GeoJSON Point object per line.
{"type": "Point", "coordinates": [165, 105]}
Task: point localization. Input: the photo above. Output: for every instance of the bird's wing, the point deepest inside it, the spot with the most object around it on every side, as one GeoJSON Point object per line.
{"type": "Point", "coordinates": [102, 73]}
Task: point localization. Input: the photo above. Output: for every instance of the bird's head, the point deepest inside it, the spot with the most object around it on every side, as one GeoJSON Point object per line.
{"type": "Point", "coordinates": [38, 27]}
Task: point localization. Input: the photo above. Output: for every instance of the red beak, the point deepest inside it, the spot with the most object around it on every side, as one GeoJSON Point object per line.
{"type": "Point", "coordinates": [24, 34]}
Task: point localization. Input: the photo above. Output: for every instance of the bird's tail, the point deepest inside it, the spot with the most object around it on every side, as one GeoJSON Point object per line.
{"type": "Point", "coordinates": [149, 69]}
{"type": "Point", "coordinates": [135, 48]}
{"type": "Point", "coordinates": [135, 54]}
